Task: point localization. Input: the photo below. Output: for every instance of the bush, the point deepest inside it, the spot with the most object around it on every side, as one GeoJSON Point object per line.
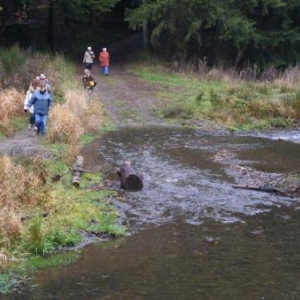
{"type": "Point", "coordinates": [11, 59]}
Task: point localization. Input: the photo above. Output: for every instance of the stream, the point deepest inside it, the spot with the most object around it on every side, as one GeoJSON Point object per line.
{"type": "Point", "coordinates": [193, 235]}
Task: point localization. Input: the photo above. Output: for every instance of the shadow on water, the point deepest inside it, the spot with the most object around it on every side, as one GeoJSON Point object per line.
{"type": "Point", "coordinates": [195, 236]}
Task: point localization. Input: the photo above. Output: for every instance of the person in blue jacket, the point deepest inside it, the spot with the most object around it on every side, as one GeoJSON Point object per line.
{"type": "Point", "coordinates": [42, 101]}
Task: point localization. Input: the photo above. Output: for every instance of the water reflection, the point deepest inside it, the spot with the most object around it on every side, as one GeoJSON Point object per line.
{"type": "Point", "coordinates": [256, 259]}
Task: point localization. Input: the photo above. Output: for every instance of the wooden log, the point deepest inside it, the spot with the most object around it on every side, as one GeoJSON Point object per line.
{"type": "Point", "coordinates": [129, 178]}
{"type": "Point", "coordinates": [267, 189]}
{"type": "Point", "coordinates": [77, 171]}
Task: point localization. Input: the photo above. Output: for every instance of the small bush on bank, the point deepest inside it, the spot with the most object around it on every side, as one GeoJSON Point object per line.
{"type": "Point", "coordinates": [178, 111]}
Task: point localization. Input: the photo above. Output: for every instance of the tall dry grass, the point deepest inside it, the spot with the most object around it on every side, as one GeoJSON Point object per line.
{"type": "Point", "coordinates": [22, 192]}
{"type": "Point", "coordinates": [94, 117]}
{"type": "Point", "coordinates": [66, 128]}
{"type": "Point", "coordinates": [66, 124]}
{"type": "Point", "coordinates": [71, 120]}
{"type": "Point", "coordinates": [11, 105]}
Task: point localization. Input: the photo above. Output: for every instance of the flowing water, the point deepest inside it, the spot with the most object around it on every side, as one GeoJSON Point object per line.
{"type": "Point", "coordinates": [194, 236]}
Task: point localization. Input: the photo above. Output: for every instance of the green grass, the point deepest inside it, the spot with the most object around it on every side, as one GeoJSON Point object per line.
{"type": "Point", "coordinates": [72, 212]}
{"type": "Point", "coordinates": [88, 138]}
{"type": "Point", "coordinates": [236, 104]}
{"type": "Point", "coordinates": [38, 262]}
{"type": "Point", "coordinates": [9, 280]}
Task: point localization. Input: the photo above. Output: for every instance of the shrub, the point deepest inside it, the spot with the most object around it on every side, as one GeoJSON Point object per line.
{"type": "Point", "coordinates": [12, 58]}
{"type": "Point", "coordinates": [177, 111]}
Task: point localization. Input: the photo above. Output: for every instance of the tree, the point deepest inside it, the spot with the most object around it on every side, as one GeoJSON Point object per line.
{"type": "Point", "coordinates": [47, 10]}
{"type": "Point", "coordinates": [242, 30]}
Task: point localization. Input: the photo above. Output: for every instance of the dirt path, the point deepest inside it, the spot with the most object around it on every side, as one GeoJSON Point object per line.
{"type": "Point", "coordinates": [24, 143]}
{"type": "Point", "coordinates": [127, 98]}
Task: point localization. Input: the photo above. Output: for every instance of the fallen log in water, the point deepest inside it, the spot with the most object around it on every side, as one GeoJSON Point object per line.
{"type": "Point", "coordinates": [77, 171]}
{"type": "Point", "coordinates": [129, 178]}
{"type": "Point", "coordinates": [268, 189]}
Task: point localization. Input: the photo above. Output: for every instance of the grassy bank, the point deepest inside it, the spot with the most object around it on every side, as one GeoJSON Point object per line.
{"type": "Point", "coordinates": [228, 97]}
{"type": "Point", "coordinates": [41, 211]}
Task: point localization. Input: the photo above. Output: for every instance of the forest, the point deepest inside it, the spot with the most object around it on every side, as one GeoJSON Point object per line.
{"type": "Point", "coordinates": [255, 33]}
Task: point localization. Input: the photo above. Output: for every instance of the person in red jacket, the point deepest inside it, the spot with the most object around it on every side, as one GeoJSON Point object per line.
{"type": "Point", "coordinates": [104, 61]}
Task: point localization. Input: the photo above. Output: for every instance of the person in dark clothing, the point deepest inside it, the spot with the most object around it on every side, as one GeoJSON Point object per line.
{"type": "Point", "coordinates": [89, 82]}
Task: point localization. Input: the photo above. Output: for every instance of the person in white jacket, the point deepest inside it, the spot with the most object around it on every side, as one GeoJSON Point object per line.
{"type": "Point", "coordinates": [32, 88]}
{"type": "Point", "coordinates": [88, 58]}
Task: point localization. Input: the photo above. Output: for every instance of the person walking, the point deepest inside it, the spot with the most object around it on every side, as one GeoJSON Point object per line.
{"type": "Point", "coordinates": [88, 58]}
{"type": "Point", "coordinates": [104, 58]}
{"type": "Point", "coordinates": [89, 82]}
{"type": "Point", "coordinates": [31, 90]}
{"type": "Point", "coordinates": [42, 101]}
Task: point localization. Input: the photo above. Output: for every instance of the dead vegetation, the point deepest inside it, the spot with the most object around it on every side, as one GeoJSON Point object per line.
{"type": "Point", "coordinates": [23, 191]}
{"type": "Point", "coordinates": [11, 106]}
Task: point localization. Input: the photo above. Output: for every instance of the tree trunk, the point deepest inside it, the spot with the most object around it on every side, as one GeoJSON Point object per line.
{"type": "Point", "coordinates": [50, 34]}
{"type": "Point", "coordinates": [129, 178]}
{"type": "Point", "coordinates": [145, 31]}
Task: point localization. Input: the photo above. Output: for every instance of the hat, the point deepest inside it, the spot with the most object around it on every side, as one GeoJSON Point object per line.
{"type": "Point", "coordinates": [104, 49]}
{"type": "Point", "coordinates": [43, 76]}
{"type": "Point", "coordinates": [89, 48]}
